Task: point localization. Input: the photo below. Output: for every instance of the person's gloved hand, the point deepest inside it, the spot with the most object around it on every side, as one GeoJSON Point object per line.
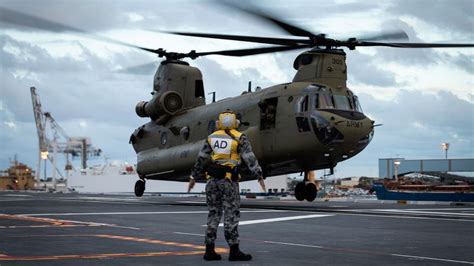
{"type": "Point", "coordinates": [191, 183]}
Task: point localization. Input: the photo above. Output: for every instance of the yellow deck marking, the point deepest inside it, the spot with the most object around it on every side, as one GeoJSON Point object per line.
{"type": "Point", "coordinates": [35, 219]}
{"type": "Point", "coordinates": [153, 241]}
{"type": "Point", "coordinates": [102, 256]}
{"type": "Point", "coordinates": [53, 222]}
{"type": "Point", "coordinates": [44, 226]}
{"type": "Point", "coordinates": [200, 251]}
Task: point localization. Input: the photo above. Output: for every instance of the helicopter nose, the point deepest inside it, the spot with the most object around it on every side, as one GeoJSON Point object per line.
{"type": "Point", "coordinates": [325, 131]}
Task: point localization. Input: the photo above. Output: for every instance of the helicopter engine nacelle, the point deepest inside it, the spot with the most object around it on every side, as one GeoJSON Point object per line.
{"type": "Point", "coordinates": [168, 103]}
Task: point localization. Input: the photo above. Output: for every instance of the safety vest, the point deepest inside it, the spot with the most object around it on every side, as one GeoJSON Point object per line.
{"type": "Point", "coordinates": [224, 148]}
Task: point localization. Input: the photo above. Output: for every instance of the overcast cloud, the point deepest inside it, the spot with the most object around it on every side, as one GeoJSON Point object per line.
{"type": "Point", "coordinates": [422, 96]}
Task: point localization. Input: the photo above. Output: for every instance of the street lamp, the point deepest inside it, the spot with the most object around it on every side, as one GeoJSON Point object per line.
{"type": "Point", "coordinates": [44, 155]}
{"type": "Point", "coordinates": [396, 163]}
{"type": "Point", "coordinates": [445, 147]}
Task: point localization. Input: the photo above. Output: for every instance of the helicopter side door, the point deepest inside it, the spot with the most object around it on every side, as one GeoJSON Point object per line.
{"type": "Point", "coordinates": [268, 120]}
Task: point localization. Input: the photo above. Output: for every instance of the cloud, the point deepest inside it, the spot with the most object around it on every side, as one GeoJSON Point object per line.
{"type": "Point", "coordinates": [414, 126]}
{"type": "Point", "coordinates": [453, 17]}
{"type": "Point", "coordinates": [417, 119]}
{"type": "Point", "coordinates": [363, 68]}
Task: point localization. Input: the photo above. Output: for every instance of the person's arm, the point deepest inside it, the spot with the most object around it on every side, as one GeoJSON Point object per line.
{"type": "Point", "coordinates": [247, 155]}
{"type": "Point", "coordinates": [197, 172]}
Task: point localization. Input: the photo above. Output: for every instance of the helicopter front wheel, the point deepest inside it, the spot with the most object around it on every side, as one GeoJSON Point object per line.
{"type": "Point", "coordinates": [300, 191]}
{"type": "Point", "coordinates": [311, 191]}
{"type": "Point", "coordinates": [139, 187]}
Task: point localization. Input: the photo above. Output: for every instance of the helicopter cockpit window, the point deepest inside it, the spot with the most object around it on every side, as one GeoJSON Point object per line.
{"type": "Point", "coordinates": [325, 101]}
{"type": "Point", "coordinates": [302, 104]}
{"type": "Point", "coordinates": [342, 102]}
{"type": "Point", "coordinates": [315, 101]}
{"type": "Point", "coordinates": [357, 106]}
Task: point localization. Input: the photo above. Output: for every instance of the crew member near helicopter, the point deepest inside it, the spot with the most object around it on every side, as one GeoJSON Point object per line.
{"type": "Point", "coordinates": [220, 158]}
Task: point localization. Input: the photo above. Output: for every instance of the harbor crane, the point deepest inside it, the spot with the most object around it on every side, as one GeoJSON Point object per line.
{"type": "Point", "coordinates": [57, 141]}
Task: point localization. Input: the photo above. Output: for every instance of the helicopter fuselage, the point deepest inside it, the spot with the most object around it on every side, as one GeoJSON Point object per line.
{"type": "Point", "coordinates": [292, 127]}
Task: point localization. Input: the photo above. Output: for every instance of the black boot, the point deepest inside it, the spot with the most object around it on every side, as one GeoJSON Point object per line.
{"type": "Point", "coordinates": [211, 253]}
{"type": "Point", "coordinates": [235, 254]}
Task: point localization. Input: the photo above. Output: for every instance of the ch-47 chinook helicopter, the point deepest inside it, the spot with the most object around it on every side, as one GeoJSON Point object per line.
{"type": "Point", "coordinates": [313, 122]}
{"type": "Point", "coordinates": [310, 123]}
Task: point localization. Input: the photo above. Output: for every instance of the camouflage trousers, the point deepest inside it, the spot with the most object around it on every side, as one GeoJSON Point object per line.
{"type": "Point", "coordinates": [223, 197]}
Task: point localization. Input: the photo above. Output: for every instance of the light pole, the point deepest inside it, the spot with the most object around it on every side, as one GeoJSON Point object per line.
{"type": "Point", "coordinates": [396, 163]}
{"type": "Point", "coordinates": [445, 147]}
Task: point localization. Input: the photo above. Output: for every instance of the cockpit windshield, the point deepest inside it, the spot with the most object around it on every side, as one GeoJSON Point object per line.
{"type": "Point", "coordinates": [325, 101]}
{"type": "Point", "coordinates": [321, 97]}
{"type": "Point", "coordinates": [342, 102]}
{"type": "Point", "coordinates": [357, 106]}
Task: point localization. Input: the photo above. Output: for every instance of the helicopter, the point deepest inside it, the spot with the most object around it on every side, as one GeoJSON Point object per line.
{"type": "Point", "coordinates": [313, 122]}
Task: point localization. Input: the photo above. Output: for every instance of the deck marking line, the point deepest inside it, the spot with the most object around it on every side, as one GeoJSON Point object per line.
{"type": "Point", "coordinates": [435, 259]}
{"type": "Point", "coordinates": [100, 256]}
{"type": "Point", "coordinates": [137, 213]}
{"type": "Point", "coordinates": [42, 226]}
{"type": "Point", "coordinates": [378, 253]}
{"type": "Point", "coordinates": [160, 242]}
{"type": "Point", "coordinates": [58, 222]}
{"type": "Point", "coordinates": [347, 212]}
{"type": "Point", "coordinates": [441, 209]}
{"type": "Point", "coordinates": [293, 244]}
{"type": "Point", "coordinates": [190, 234]}
{"type": "Point", "coordinates": [280, 219]}
{"type": "Point", "coordinates": [425, 212]}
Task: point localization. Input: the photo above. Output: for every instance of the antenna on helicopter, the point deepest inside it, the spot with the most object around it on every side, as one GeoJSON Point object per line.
{"type": "Point", "coordinates": [213, 96]}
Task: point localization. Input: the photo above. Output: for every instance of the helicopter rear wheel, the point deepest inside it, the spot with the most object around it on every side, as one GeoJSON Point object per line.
{"type": "Point", "coordinates": [310, 191]}
{"type": "Point", "coordinates": [139, 187]}
{"type": "Point", "coordinates": [300, 191]}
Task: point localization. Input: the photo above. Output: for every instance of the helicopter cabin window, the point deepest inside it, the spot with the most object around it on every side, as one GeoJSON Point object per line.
{"type": "Point", "coordinates": [325, 101]}
{"type": "Point", "coordinates": [198, 89]}
{"type": "Point", "coordinates": [268, 109]}
{"type": "Point", "coordinates": [342, 102]}
{"type": "Point", "coordinates": [306, 59]}
{"type": "Point", "coordinates": [302, 104]}
{"type": "Point", "coordinates": [357, 106]}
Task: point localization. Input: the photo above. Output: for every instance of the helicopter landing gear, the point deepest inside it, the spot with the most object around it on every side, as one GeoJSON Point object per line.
{"type": "Point", "coordinates": [311, 191]}
{"type": "Point", "coordinates": [139, 187]}
{"type": "Point", "coordinates": [300, 191]}
{"type": "Point", "coordinates": [306, 189]}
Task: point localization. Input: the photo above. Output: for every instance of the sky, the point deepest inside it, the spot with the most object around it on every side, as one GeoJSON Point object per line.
{"type": "Point", "coordinates": [423, 97]}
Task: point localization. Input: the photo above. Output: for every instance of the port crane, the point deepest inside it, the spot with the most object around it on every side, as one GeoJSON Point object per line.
{"type": "Point", "coordinates": [53, 139]}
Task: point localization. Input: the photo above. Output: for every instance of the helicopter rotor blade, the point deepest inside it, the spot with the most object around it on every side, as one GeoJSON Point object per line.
{"type": "Point", "coordinates": [142, 69]}
{"type": "Point", "coordinates": [390, 35]}
{"type": "Point", "coordinates": [291, 29]}
{"type": "Point", "coordinates": [253, 39]}
{"type": "Point", "coordinates": [21, 19]}
{"type": "Point", "coordinates": [414, 45]}
{"type": "Point", "coordinates": [251, 51]}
